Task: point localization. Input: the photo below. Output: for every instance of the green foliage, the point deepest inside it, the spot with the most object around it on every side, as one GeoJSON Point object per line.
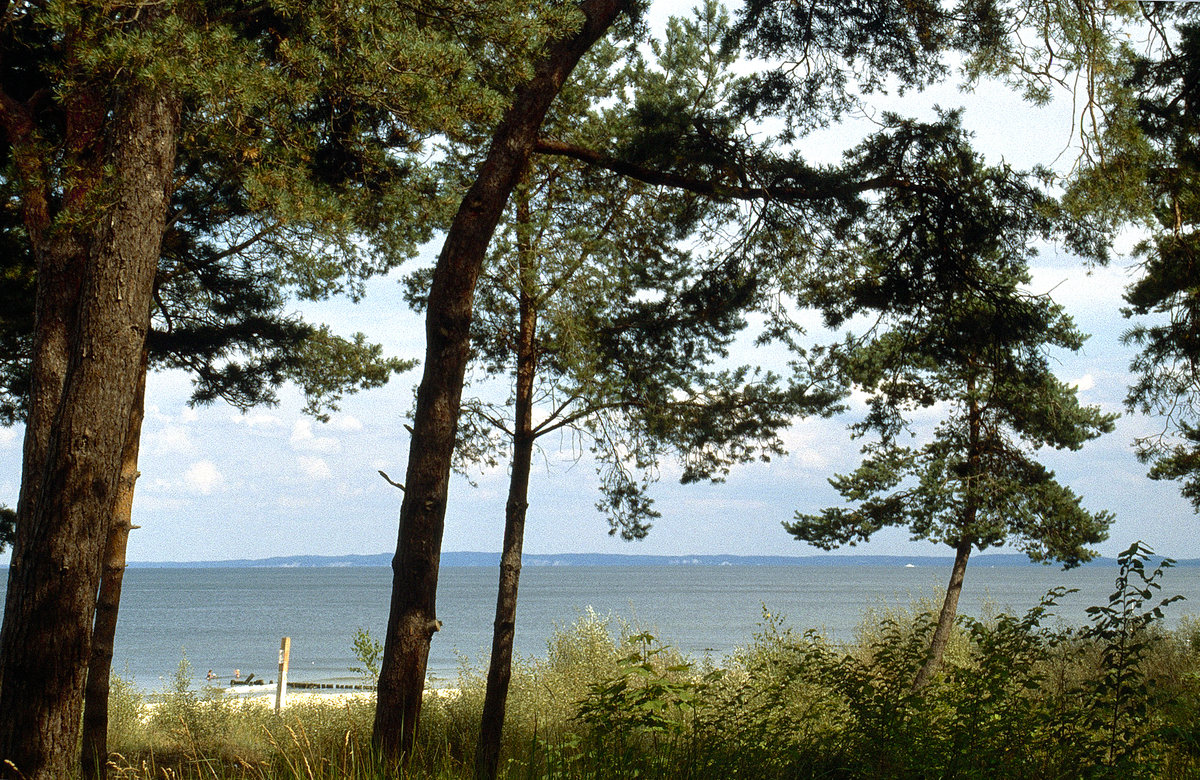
{"type": "Point", "coordinates": [634, 717]}
{"type": "Point", "coordinates": [17, 296]}
{"type": "Point", "coordinates": [644, 698]}
{"type": "Point", "coordinates": [369, 652]}
{"type": "Point", "coordinates": [311, 740]}
{"type": "Point", "coordinates": [997, 683]}
{"type": "Point", "coordinates": [825, 54]}
{"type": "Point", "coordinates": [625, 311]}
{"type": "Point", "coordinates": [1143, 172]}
{"type": "Point", "coordinates": [769, 703]}
{"type": "Point", "coordinates": [301, 167]}
{"type": "Point", "coordinates": [940, 270]}
{"type": "Point", "coordinates": [127, 714]}
{"type": "Point", "coordinates": [1123, 694]}
{"type": "Point", "coordinates": [8, 527]}
{"type": "Point", "coordinates": [544, 691]}
{"type": "Point", "coordinates": [184, 717]}
{"type": "Point", "coordinates": [1020, 700]}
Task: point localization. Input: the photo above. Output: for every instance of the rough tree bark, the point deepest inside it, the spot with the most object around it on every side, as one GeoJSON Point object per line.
{"type": "Point", "coordinates": [412, 619]}
{"type": "Point", "coordinates": [108, 602]}
{"type": "Point", "coordinates": [491, 730]}
{"type": "Point", "coordinates": [94, 298]}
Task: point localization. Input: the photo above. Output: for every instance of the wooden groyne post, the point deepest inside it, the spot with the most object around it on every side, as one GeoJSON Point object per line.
{"type": "Point", "coordinates": [285, 652]}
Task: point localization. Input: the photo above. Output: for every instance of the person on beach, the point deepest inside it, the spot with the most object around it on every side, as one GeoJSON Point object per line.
{"type": "Point", "coordinates": [211, 675]}
{"type": "Point", "coordinates": [237, 674]}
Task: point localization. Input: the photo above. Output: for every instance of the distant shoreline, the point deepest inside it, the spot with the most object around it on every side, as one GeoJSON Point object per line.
{"type": "Point", "coordinates": [457, 559]}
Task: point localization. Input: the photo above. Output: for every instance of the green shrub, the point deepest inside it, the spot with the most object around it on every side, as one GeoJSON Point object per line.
{"type": "Point", "coordinates": [126, 714]}
{"type": "Point", "coordinates": [369, 653]}
{"type": "Point", "coordinates": [1124, 697]}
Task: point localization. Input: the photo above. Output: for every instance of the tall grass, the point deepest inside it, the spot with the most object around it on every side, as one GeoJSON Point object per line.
{"type": "Point", "coordinates": [1015, 699]}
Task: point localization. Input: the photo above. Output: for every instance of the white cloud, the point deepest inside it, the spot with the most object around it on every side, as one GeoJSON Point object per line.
{"type": "Point", "coordinates": [1084, 383]}
{"type": "Point", "coordinates": [859, 399]}
{"type": "Point", "coordinates": [189, 414]}
{"type": "Point", "coordinates": [294, 502]}
{"type": "Point", "coordinates": [1081, 289]}
{"type": "Point", "coordinates": [346, 491]}
{"type": "Point", "coordinates": [303, 439]}
{"type": "Point", "coordinates": [203, 477]}
{"type": "Point", "coordinates": [314, 468]}
{"type": "Point", "coordinates": [8, 436]}
{"type": "Point", "coordinates": [345, 422]}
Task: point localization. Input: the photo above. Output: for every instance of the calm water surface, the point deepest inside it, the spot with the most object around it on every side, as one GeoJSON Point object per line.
{"type": "Point", "coordinates": [234, 618]}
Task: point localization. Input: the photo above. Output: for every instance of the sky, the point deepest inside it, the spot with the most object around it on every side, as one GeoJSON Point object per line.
{"type": "Point", "coordinates": [217, 484]}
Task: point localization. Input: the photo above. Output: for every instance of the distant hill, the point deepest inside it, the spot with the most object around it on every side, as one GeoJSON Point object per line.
{"type": "Point", "coordinates": [604, 559]}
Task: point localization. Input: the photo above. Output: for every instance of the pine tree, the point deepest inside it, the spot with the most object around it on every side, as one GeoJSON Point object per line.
{"type": "Point", "coordinates": [594, 344]}
{"type": "Point", "coordinates": [1144, 172]}
{"type": "Point", "coordinates": [821, 60]}
{"type": "Point", "coordinates": [942, 274]}
{"type": "Point", "coordinates": [131, 126]}
{"type": "Point", "coordinates": [412, 618]}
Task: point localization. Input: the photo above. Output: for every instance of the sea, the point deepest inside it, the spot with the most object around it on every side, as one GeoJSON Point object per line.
{"type": "Point", "coordinates": [227, 619]}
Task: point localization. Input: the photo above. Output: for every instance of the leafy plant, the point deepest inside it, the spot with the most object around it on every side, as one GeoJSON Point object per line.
{"type": "Point", "coordinates": [887, 730]}
{"type": "Point", "coordinates": [638, 717]}
{"type": "Point", "coordinates": [1124, 694]}
{"type": "Point", "coordinates": [644, 696]}
{"type": "Point", "coordinates": [126, 712]}
{"type": "Point", "coordinates": [369, 653]}
{"type": "Point", "coordinates": [996, 694]}
{"type": "Point", "coordinates": [180, 714]}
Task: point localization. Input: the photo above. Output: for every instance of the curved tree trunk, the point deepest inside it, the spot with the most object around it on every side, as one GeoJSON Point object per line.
{"type": "Point", "coordinates": [491, 729]}
{"type": "Point", "coordinates": [941, 635]}
{"type": "Point", "coordinates": [970, 512]}
{"type": "Point", "coordinates": [75, 438]}
{"type": "Point", "coordinates": [95, 701]}
{"type": "Point", "coordinates": [412, 618]}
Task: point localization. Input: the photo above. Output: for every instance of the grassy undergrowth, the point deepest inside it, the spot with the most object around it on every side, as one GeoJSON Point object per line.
{"type": "Point", "coordinates": [1016, 698]}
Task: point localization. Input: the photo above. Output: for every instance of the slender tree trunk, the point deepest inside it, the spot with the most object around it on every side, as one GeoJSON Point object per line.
{"type": "Point", "coordinates": [941, 634]}
{"type": "Point", "coordinates": [491, 729]}
{"type": "Point", "coordinates": [73, 453]}
{"type": "Point", "coordinates": [95, 701]}
{"type": "Point", "coordinates": [412, 619]}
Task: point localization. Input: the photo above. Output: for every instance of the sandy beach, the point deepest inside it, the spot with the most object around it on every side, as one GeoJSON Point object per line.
{"type": "Point", "coordinates": [264, 695]}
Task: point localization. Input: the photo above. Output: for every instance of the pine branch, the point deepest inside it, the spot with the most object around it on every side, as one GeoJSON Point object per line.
{"type": "Point", "coordinates": [390, 481]}
{"type": "Point", "coordinates": [219, 256]}
{"type": "Point", "coordinates": [715, 189]}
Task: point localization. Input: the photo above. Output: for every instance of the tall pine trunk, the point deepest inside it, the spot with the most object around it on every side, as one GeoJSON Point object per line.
{"type": "Point", "coordinates": [89, 337]}
{"type": "Point", "coordinates": [108, 602]}
{"type": "Point", "coordinates": [412, 619]}
{"type": "Point", "coordinates": [491, 729]}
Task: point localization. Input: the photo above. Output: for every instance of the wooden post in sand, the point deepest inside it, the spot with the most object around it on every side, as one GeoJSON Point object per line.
{"type": "Point", "coordinates": [285, 652]}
